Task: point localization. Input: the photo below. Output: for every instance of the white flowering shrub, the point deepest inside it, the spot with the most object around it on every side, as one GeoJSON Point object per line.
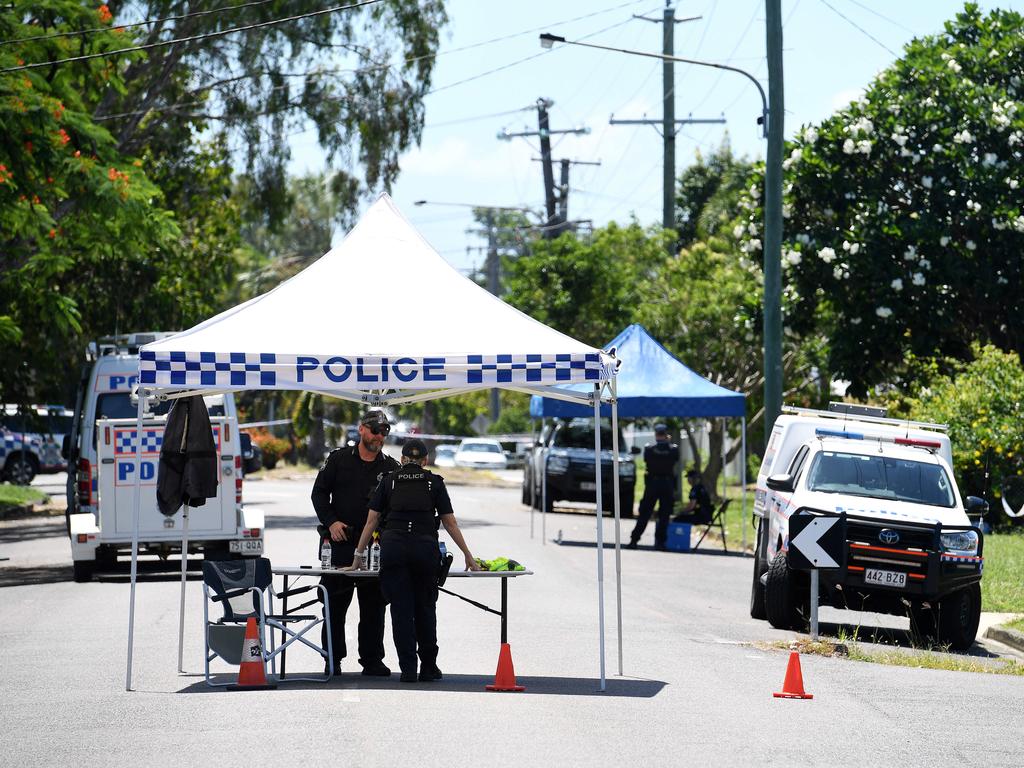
{"type": "Point", "coordinates": [904, 208]}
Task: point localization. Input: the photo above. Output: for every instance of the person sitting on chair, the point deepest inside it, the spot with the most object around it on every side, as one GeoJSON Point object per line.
{"type": "Point", "coordinates": [700, 508]}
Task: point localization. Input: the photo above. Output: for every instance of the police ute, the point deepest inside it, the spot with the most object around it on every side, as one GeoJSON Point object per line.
{"type": "Point", "coordinates": [102, 450]}
{"type": "Point", "coordinates": [910, 547]}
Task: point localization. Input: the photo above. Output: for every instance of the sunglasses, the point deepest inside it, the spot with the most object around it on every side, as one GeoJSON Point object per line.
{"type": "Point", "coordinates": [378, 430]}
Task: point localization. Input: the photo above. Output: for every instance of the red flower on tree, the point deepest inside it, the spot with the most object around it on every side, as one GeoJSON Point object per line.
{"type": "Point", "coordinates": [104, 13]}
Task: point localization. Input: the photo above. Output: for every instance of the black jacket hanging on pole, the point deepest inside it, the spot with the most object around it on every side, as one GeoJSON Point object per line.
{"type": "Point", "coordinates": [188, 472]}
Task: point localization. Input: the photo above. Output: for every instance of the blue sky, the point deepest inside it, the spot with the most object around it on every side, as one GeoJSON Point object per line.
{"type": "Point", "coordinates": [828, 60]}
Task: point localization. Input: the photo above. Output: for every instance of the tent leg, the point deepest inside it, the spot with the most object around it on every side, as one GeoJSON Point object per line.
{"type": "Point", "coordinates": [600, 527]}
{"type": "Point", "coordinates": [743, 478]}
{"type": "Point", "coordinates": [136, 499]}
{"type": "Point", "coordinates": [181, 607]}
{"type": "Point", "coordinates": [544, 501]}
{"type": "Point", "coordinates": [618, 519]}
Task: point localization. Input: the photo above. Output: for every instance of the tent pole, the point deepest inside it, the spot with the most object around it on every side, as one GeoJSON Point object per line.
{"type": "Point", "coordinates": [743, 478]}
{"type": "Point", "coordinates": [181, 607]}
{"type": "Point", "coordinates": [533, 491]}
{"type": "Point", "coordinates": [137, 497]}
{"type": "Point", "coordinates": [544, 500]}
{"type": "Point", "coordinates": [618, 519]}
{"type": "Point", "coordinates": [600, 526]}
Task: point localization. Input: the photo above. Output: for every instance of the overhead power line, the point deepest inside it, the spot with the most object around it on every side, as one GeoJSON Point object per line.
{"type": "Point", "coordinates": [193, 38]}
{"type": "Point", "coordinates": [132, 25]}
{"type": "Point", "coordinates": [859, 28]}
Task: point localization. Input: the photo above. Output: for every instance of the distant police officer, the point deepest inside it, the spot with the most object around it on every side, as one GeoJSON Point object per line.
{"type": "Point", "coordinates": [661, 459]}
{"type": "Point", "coordinates": [413, 503]}
{"type": "Point", "coordinates": [341, 494]}
{"type": "Point", "coordinates": [700, 508]}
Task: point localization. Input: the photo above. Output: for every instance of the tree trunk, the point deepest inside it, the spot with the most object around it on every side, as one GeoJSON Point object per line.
{"type": "Point", "coordinates": [315, 446]}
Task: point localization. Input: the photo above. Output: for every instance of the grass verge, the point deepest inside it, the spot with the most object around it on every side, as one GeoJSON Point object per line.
{"type": "Point", "coordinates": [1017, 624]}
{"type": "Point", "coordinates": [19, 495]}
{"type": "Point", "coordinates": [897, 658]}
{"type": "Point", "coordinates": [1002, 588]}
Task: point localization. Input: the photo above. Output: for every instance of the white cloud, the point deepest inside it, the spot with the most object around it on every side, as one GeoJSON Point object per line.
{"type": "Point", "coordinates": [842, 99]}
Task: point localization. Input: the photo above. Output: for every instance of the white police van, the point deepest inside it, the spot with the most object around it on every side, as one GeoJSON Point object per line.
{"type": "Point", "coordinates": [101, 447]}
{"type": "Point", "coordinates": [20, 456]}
{"type": "Point", "coordinates": [910, 547]}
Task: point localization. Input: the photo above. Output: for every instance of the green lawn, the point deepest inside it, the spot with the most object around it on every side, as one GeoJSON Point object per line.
{"type": "Point", "coordinates": [1017, 624]}
{"type": "Point", "coordinates": [1002, 585]}
{"type": "Point", "coordinates": [16, 495]}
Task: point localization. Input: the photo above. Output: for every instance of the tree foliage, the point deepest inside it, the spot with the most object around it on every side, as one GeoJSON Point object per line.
{"type": "Point", "coordinates": [707, 193]}
{"type": "Point", "coordinates": [983, 404]}
{"type": "Point", "coordinates": [904, 219]}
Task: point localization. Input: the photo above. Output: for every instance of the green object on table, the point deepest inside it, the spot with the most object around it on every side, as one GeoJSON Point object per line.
{"type": "Point", "coordinates": [500, 564]}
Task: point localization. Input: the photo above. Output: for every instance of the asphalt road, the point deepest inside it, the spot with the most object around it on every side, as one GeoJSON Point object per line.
{"type": "Point", "coordinates": [695, 689]}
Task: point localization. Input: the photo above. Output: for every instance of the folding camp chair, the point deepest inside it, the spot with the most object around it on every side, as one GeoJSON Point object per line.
{"type": "Point", "coordinates": [244, 588]}
{"type": "Point", "coordinates": [718, 518]}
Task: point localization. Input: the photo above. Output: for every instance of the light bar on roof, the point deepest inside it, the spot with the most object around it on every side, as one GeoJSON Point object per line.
{"type": "Point", "coordinates": [912, 442]}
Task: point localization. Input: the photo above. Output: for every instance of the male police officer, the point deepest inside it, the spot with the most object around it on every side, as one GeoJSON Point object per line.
{"type": "Point", "coordinates": [659, 486]}
{"type": "Point", "coordinates": [340, 496]}
{"type": "Point", "coordinates": [413, 503]}
{"type": "Point", "coordinates": [700, 509]}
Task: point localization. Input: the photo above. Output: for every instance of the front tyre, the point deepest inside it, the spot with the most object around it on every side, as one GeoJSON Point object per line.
{"type": "Point", "coordinates": [958, 618]}
{"type": "Point", "coordinates": [757, 603]}
{"type": "Point", "coordinates": [781, 601]}
{"type": "Point", "coordinates": [82, 570]}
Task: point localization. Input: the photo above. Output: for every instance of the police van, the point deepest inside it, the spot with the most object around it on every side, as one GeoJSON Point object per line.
{"type": "Point", "coordinates": [910, 547]}
{"type": "Point", "coordinates": [20, 456]}
{"type": "Point", "coordinates": [41, 430]}
{"type": "Point", "coordinates": [102, 449]}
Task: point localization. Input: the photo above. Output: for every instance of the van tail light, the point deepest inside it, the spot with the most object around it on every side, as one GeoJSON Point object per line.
{"type": "Point", "coordinates": [84, 482]}
{"type": "Point", "coordinates": [238, 479]}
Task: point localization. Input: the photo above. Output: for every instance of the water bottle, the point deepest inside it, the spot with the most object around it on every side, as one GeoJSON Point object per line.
{"type": "Point", "coordinates": [325, 553]}
{"type": "Point", "coordinates": [374, 556]}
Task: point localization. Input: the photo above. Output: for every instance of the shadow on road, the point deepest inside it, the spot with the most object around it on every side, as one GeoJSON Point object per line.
{"type": "Point", "coordinates": [618, 687]}
{"type": "Point", "coordinates": [27, 529]}
{"type": "Point", "coordinates": [42, 574]}
{"type": "Point", "coordinates": [648, 548]}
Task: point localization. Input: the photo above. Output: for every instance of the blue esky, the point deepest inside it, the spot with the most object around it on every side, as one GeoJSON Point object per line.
{"type": "Point", "coordinates": [828, 60]}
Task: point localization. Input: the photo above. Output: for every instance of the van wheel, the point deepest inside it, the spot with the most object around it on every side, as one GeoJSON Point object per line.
{"type": "Point", "coordinates": [959, 615]}
{"type": "Point", "coordinates": [82, 570]}
{"type": "Point", "coordinates": [781, 600]}
{"type": "Point", "coordinates": [20, 471]}
{"type": "Point", "coordinates": [757, 607]}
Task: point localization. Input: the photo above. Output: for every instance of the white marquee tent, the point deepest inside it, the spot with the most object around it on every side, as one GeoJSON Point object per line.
{"type": "Point", "coordinates": [323, 331]}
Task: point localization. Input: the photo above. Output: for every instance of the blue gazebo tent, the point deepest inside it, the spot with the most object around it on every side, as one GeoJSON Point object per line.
{"type": "Point", "coordinates": [651, 383]}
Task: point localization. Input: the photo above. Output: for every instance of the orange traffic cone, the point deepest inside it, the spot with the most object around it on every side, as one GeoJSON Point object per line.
{"type": "Point", "coordinates": [252, 675]}
{"type": "Point", "coordinates": [505, 677]}
{"type": "Point", "coordinates": [793, 687]}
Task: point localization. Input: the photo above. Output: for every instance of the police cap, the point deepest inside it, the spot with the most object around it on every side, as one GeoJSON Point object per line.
{"type": "Point", "coordinates": [375, 418]}
{"type": "Point", "coordinates": [660, 429]}
{"type": "Point", "coordinates": [414, 449]}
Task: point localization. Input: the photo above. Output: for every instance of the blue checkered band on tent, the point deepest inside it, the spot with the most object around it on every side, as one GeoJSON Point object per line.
{"type": "Point", "coordinates": [501, 369]}
{"type": "Point", "coordinates": [124, 441]}
{"type": "Point", "coordinates": [211, 369]}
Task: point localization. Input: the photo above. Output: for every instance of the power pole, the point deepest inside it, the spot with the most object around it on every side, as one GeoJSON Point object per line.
{"type": "Point", "coordinates": [545, 133]}
{"type": "Point", "coordinates": [668, 118]}
{"type": "Point", "coordinates": [562, 194]}
{"type": "Point", "coordinates": [773, 222]}
{"type": "Point", "coordinates": [494, 286]}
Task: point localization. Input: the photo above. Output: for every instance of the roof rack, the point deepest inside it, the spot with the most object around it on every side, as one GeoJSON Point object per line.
{"type": "Point", "coordinates": [848, 416]}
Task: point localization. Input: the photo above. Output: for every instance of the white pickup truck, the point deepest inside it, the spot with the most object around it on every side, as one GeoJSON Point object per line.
{"type": "Point", "coordinates": [910, 547]}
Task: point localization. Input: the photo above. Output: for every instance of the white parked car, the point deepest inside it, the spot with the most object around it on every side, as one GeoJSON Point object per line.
{"type": "Point", "coordinates": [444, 455]}
{"type": "Point", "coordinates": [480, 453]}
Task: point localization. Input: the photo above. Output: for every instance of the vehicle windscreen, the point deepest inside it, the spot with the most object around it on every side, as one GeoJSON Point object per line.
{"type": "Point", "coordinates": [119, 405]}
{"type": "Point", "coordinates": [481, 448]}
{"type": "Point", "coordinates": [881, 477]}
{"type": "Point", "coordinates": [582, 436]}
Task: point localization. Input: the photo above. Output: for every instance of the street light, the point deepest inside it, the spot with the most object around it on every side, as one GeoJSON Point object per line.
{"type": "Point", "coordinates": [547, 40]}
{"type": "Point", "coordinates": [772, 247]}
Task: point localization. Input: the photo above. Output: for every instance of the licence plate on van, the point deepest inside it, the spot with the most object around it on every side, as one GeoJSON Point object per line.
{"type": "Point", "coordinates": [247, 546]}
{"type": "Point", "coordinates": [885, 578]}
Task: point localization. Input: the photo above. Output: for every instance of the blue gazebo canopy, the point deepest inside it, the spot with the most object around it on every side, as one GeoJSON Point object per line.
{"type": "Point", "coordinates": [651, 382]}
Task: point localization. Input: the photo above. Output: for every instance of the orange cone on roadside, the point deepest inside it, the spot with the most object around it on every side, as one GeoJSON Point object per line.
{"type": "Point", "coordinates": [505, 677]}
{"type": "Point", "coordinates": [252, 676]}
{"type": "Point", "coordinates": [793, 687]}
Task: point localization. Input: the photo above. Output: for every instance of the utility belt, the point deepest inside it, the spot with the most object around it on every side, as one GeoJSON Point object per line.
{"type": "Point", "coordinates": [411, 527]}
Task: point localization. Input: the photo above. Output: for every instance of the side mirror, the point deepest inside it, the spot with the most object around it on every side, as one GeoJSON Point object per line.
{"type": "Point", "coordinates": [781, 482]}
{"type": "Point", "coordinates": [975, 505]}
{"type": "Point", "coordinates": [635, 450]}
{"type": "Point", "coordinates": [538, 444]}
{"type": "Point", "coordinates": [65, 449]}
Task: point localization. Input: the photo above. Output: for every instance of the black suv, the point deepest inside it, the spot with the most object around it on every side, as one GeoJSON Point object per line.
{"type": "Point", "coordinates": [566, 449]}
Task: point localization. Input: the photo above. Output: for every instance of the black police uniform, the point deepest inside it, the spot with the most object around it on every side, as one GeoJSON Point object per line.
{"type": "Point", "coordinates": [659, 487]}
{"type": "Point", "coordinates": [412, 501]}
{"type": "Point", "coordinates": [702, 511]}
{"type": "Point", "coordinates": [341, 493]}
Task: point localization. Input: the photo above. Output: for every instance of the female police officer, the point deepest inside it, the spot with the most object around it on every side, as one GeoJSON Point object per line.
{"type": "Point", "coordinates": [413, 501]}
